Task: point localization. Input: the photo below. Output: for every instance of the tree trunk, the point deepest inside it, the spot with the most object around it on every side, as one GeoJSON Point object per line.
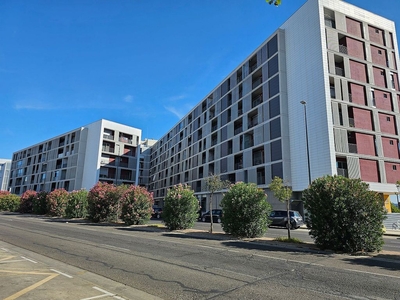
{"type": "Point", "coordinates": [288, 217]}
{"type": "Point", "coordinates": [211, 216]}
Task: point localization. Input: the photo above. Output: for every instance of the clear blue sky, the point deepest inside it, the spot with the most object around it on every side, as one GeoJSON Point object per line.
{"type": "Point", "coordinates": [143, 63]}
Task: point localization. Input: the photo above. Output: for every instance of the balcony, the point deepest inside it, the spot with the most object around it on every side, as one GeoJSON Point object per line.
{"type": "Point", "coordinates": [351, 122]}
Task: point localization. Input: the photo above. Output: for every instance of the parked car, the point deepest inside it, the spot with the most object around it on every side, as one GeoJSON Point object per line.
{"type": "Point", "coordinates": [157, 212]}
{"type": "Point", "coordinates": [279, 218]}
{"type": "Point", "coordinates": [217, 216]}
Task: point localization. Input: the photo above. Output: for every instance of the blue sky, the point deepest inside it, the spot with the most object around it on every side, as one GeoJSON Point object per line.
{"type": "Point", "coordinates": [143, 63]}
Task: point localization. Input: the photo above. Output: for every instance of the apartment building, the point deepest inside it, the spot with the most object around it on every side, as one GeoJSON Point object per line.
{"type": "Point", "coordinates": [5, 166]}
{"type": "Point", "coordinates": [102, 151]}
{"type": "Point", "coordinates": [320, 96]}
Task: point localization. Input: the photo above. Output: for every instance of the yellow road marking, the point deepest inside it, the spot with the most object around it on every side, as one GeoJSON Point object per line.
{"type": "Point", "coordinates": [8, 257]}
{"type": "Point", "coordinates": [33, 286]}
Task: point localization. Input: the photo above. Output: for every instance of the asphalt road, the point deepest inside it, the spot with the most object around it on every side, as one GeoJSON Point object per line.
{"type": "Point", "coordinates": [185, 266]}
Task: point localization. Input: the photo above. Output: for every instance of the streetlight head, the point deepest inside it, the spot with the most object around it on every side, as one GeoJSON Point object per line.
{"type": "Point", "coordinates": [303, 102]}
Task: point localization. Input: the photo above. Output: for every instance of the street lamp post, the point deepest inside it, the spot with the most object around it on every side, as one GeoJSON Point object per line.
{"type": "Point", "coordinates": [304, 103]}
{"type": "Point", "coordinates": [397, 194]}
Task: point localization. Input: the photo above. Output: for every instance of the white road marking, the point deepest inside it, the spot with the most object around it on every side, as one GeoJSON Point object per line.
{"type": "Point", "coordinates": [114, 248]}
{"type": "Point", "coordinates": [32, 261]}
{"type": "Point", "coordinates": [105, 294]}
{"type": "Point", "coordinates": [5, 250]}
{"type": "Point", "coordinates": [61, 273]}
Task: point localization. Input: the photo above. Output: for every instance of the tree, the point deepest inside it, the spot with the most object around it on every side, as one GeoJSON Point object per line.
{"type": "Point", "coordinates": [136, 205]}
{"type": "Point", "coordinates": [180, 207]}
{"type": "Point", "coordinates": [344, 215]}
{"type": "Point", "coordinates": [245, 211]}
{"type": "Point", "coordinates": [213, 185]}
{"type": "Point", "coordinates": [283, 193]}
{"type": "Point", "coordinates": [77, 204]}
{"type": "Point", "coordinates": [8, 201]}
{"type": "Point", "coordinates": [57, 202]}
{"type": "Point", "coordinates": [103, 202]}
{"type": "Point", "coordinates": [274, 2]}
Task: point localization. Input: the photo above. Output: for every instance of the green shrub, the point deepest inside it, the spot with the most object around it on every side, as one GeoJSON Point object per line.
{"type": "Point", "coordinates": [57, 202]}
{"type": "Point", "coordinates": [39, 203]}
{"type": "Point", "coordinates": [136, 205]}
{"type": "Point", "coordinates": [9, 202]}
{"type": "Point", "coordinates": [77, 204]}
{"type": "Point", "coordinates": [180, 208]}
{"type": "Point", "coordinates": [26, 203]}
{"type": "Point", "coordinates": [103, 202]}
{"type": "Point", "coordinates": [245, 211]}
{"type": "Point", "coordinates": [344, 215]}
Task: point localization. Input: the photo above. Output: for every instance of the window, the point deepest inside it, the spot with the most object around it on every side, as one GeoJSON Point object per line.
{"type": "Point", "coordinates": [388, 119]}
{"type": "Point", "coordinates": [391, 142]}
{"type": "Point", "coordinates": [379, 51]}
{"type": "Point", "coordinates": [394, 167]}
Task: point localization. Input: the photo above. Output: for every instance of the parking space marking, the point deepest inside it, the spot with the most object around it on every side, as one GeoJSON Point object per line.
{"type": "Point", "coordinates": [33, 286]}
{"type": "Point", "coordinates": [61, 273]}
{"type": "Point", "coordinates": [32, 261]}
{"type": "Point", "coordinates": [105, 294]}
{"type": "Point", "coordinates": [4, 249]}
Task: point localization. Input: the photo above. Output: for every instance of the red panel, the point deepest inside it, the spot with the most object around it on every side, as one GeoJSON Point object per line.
{"type": "Point", "coordinates": [355, 48]}
{"type": "Point", "coordinates": [365, 144]}
{"type": "Point", "coordinates": [357, 93]}
{"type": "Point", "coordinates": [369, 170]}
{"type": "Point", "coordinates": [362, 118]}
{"type": "Point", "coordinates": [378, 56]}
{"type": "Point", "coordinates": [353, 27]}
{"type": "Point", "coordinates": [375, 35]}
{"type": "Point", "coordinates": [382, 102]}
{"type": "Point", "coordinates": [392, 174]}
{"type": "Point", "coordinates": [358, 71]}
{"type": "Point", "coordinates": [390, 148]}
{"type": "Point", "coordinates": [379, 77]}
{"type": "Point", "coordinates": [387, 123]}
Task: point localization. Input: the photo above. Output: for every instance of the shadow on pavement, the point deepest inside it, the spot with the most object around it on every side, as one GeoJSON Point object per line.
{"type": "Point", "coordinates": [384, 261]}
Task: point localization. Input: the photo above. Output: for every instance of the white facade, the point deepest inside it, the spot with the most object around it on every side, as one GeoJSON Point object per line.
{"type": "Point", "coordinates": [252, 127]}
{"type": "Point", "coordinates": [101, 151]}
{"type": "Point", "coordinates": [5, 166]}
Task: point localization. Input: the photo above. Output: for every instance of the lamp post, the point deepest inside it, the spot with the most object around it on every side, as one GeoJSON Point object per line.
{"type": "Point", "coordinates": [118, 164]}
{"type": "Point", "coordinates": [304, 103]}
{"type": "Point", "coordinates": [397, 194]}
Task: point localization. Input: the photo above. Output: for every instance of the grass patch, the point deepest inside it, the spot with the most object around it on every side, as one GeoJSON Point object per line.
{"type": "Point", "coordinates": [287, 240]}
{"type": "Point", "coordinates": [156, 225]}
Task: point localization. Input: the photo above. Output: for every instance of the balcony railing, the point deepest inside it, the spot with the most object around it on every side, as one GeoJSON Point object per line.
{"type": "Point", "coordinates": [351, 122]}
{"type": "Point", "coordinates": [343, 49]}
{"type": "Point", "coordinates": [108, 137]}
{"type": "Point", "coordinates": [342, 172]}
{"type": "Point", "coordinates": [257, 82]}
{"type": "Point", "coordinates": [353, 148]}
{"type": "Point", "coordinates": [339, 71]}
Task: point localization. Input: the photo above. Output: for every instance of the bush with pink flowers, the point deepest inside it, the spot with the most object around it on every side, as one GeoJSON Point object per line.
{"type": "Point", "coordinates": [180, 207]}
{"type": "Point", "coordinates": [136, 205]}
{"type": "Point", "coordinates": [103, 202]}
{"type": "Point", "coordinates": [57, 202]}
{"type": "Point", "coordinates": [26, 203]}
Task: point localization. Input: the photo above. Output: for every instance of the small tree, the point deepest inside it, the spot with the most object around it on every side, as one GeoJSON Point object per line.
{"type": "Point", "coordinates": [213, 185]}
{"type": "Point", "coordinates": [180, 207]}
{"type": "Point", "coordinates": [344, 215]}
{"type": "Point", "coordinates": [56, 202]}
{"type": "Point", "coordinates": [77, 204]}
{"type": "Point", "coordinates": [39, 203]}
{"type": "Point", "coordinates": [283, 193]}
{"type": "Point", "coordinates": [103, 202]}
{"type": "Point", "coordinates": [9, 202]}
{"type": "Point", "coordinates": [26, 202]}
{"type": "Point", "coordinates": [136, 205]}
{"type": "Point", "coordinates": [245, 211]}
